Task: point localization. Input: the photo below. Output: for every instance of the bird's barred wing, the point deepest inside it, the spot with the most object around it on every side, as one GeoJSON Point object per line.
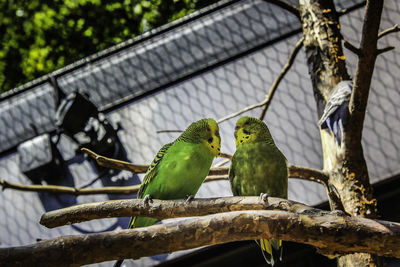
{"type": "Point", "coordinates": [152, 170]}
{"type": "Point", "coordinates": [231, 175]}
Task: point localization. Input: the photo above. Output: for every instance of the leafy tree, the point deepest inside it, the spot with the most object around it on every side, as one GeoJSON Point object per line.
{"type": "Point", "coordinates": [38, 37]}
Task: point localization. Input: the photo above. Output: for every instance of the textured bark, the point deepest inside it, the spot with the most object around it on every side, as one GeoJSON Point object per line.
{"type": "Point", "coordinates": [218, 173]}
{"type": "Point", "coordinates": [345, 163]}
{"type": "Point", "coordinates": [331, 233]}
{"type": "Point", "coordinates": [164, 209]}
{"type": "Point", "coordinates": [322, 42]}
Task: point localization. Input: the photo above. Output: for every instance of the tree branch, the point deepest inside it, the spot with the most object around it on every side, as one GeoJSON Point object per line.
{"type": "Point", "coordinates": [70, 190]}
{"type": "Point", "coordinates": [127, 166]}
{"type": "Point", "coordinates": [395, 28]}
{"type": "Point", "coordinates": [115, 163]}
{"type": "Point", "coordinates": [321, 177]}
{"type": "Point", "coordinates": [216, 174]}
{"type": "Point", "coordinates": [331, 233]}
{"type": "Point", "coordinates": [384, 50]}
{"type": "Point", "coordinates": [248, 108]}
{"type": "Point", "coordinates": [364, 71]}
{"type": "Point", "coordinates": [282, 74]}
{"type": "Point", "coordinates": [169, 131]}
{"type": "Point", "coordinates": [352, 48]}
{"type": "Point", "coordinates": [308, 174]}
{"type": "Point", "coordinates": [164, 209]}
{"type": "Point", "coordinates": [265, 103]}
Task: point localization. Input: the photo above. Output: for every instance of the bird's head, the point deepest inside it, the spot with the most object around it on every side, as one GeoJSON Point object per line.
{"type": "Point", "coordinates": [205, 131]}
{"type": "Point", "coordinates": [251, 130]}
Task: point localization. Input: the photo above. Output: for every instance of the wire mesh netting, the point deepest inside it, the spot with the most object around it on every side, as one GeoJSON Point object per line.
{"type": "Point", "coordinates": [209, 66]}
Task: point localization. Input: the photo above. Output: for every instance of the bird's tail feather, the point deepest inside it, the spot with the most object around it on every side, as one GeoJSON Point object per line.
{"type": "Point", "coordinates": [118, 263]}
{"type": "Point", "coordinates": [271, 250]}
{"type": "Point", "coordinates": [132, 222]}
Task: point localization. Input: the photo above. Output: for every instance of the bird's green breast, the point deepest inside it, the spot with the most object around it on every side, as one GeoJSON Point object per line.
{"type": "Point", "coordinates": [259, 168]}
{"type": "Point", "coordinates": [181, 171]}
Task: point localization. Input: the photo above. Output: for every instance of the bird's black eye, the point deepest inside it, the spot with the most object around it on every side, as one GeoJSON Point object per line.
{"type": "Point", "coordinates": [216, 133]}
{"type": "Point", "coordinates": [247, 123]}
{"type": "Point", "coordinates": [237, 127]}
{"type": "Point", "coordinates": [210, 140]}
{"type": "Point", "coordinates": [208, 129]}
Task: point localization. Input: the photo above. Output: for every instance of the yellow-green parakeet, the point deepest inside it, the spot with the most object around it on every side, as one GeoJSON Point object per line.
{"type": "Point", "coordinates": [258, 166]}
{"type": "Point", "coordinates": [180, 167]}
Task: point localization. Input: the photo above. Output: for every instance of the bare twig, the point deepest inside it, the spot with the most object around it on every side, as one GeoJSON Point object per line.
{"type": "Point", "coordinates": [331, 233]}
{"type": "Point", "coordinates": [282, 74]}
{"type": "Point", "coordinates": [70, 190]}
{"type": "Point", "coordinates": [352, 48]}
{"type": "Point", "coordinates": [124, 165]}
{"type": "Point", "coordinates": [273, 88]}
{"type": "Point", "coordinates": [395, 28]}
{"type": "Point", "coordinates": [219, 173]}
{"type": "Point", "coordinates": [357, 51]}
{"type": "Point", "coordinates": [215, 174]}
{"type": "Point", "coordinates": [233, 115]}
{"type": "Point", "coordinates": [386, 49]}
{"type": "Point", "coordinates": [169, 131]}
{"type": "Point", "coordinates": [116, 164]}
{"type": "Point", "coordinates": [164, 209]}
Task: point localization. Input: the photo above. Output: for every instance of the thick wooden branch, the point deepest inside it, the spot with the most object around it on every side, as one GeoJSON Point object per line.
{"type": "Point", "coordinates": [321, 177]}
{"type": "Point", "coordinates": [308, 174]}
{"type": "Point", "coordinates": [323, 46]}
{"type": "Point", "coordinates": [163, 209]}
{"type": "Point", "coordinates": [364, 71]}
{"type": "Point", "coordinates": [345, 163]}
{"type": "Point", "coordinates": [331, 233]}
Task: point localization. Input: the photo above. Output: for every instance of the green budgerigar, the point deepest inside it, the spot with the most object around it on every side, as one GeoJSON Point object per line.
{"type": "Point", "coordinates": [258, 167]}
{"type": "Point", "coordinates": [180, 167]}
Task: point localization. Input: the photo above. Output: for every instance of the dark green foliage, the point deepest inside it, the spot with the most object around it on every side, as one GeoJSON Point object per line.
{"type": "Point", "coordinates": [38, 37]}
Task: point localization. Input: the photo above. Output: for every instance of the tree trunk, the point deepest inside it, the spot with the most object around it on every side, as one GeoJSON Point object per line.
{"type": "Point", "coordinates": [348, 172]}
